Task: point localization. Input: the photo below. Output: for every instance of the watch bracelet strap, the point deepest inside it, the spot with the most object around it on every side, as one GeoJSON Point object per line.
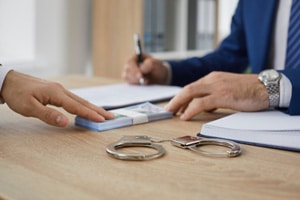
{"type": "Point", "coordinates": [274, 97]}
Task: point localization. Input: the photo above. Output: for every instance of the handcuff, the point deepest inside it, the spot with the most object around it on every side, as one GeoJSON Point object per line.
{"type": "Point", "coordinates": [185, 142]}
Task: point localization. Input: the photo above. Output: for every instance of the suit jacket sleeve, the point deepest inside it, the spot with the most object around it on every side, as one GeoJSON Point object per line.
{"type": "Point", "coordinates": [293, 76]}
{"type": "Point", "coordinates": [231, 56]}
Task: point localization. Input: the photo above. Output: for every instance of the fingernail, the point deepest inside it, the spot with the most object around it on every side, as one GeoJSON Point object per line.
{"type": "Point", "coordinates": [61, 121]}
{"type": "Point", "coordinates": [138, 75]}
{"type": "Point", "coordinates": [58, 119]}
{"type": "Point", "coordinates": [182, 116]}
{"type": "Point", "coordinates": [166, 107]}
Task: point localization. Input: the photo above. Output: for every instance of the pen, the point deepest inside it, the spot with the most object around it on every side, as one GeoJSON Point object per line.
{"type": "Point", "coordinates": [139, 53]}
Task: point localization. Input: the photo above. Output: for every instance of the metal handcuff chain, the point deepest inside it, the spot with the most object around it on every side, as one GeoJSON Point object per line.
{"type": "Point", "coordinates": [185, 142]}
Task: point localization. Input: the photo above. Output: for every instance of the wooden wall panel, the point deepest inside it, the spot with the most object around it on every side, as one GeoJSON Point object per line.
{"type": "Point", "coordinates": [114, 23]}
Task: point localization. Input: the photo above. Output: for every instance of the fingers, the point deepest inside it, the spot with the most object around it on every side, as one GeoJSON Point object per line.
{"type": "Point", "coordinates": [73, 105]}
{"type": "Point", "coordinates": [58, 96]}
{"type": "Point", "coordinates": [132, 73]}
{"type": "Point", "coordinates": [184, 97]}
{"type": "Point", "coordinates": [150, 70]}
{"type": "Point", "coordinates": [36, 94]}
{"type": "Point", "coordinates": [197, 106]}
{"type": "Point", "coordinates": [79, 106]}
{"type": "Point", "coordinates": [220, 90]}
{"type": "Point", "coordinates": [192, 100]}
{"type": "Point", "coordinates": [46, 114]}
{"type": "Point", "coordinates": [33, 108]}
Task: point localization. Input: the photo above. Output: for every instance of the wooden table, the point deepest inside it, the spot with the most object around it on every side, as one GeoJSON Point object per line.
{"type": "Point", "coordinates": [38, 161]}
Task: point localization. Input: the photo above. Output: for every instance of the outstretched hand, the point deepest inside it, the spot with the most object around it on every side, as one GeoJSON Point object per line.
{"type": "Point", "coordinates": [242, 92]}
{"type": "Point", "coordinates": [29, 96]}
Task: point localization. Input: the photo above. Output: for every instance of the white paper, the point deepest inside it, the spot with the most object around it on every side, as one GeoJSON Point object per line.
{"type": "Point", "coordinates": [272, 120]}
{"type": "Point", "coordinates": [120, 95]}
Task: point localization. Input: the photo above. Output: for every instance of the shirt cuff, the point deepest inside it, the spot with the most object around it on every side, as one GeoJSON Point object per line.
{"type": "Point", "coordinates": [285, 92]}
{"type": "Point", "coordinates": [169, 73]}
{"type": "Point", "coordinates": [3, 73]}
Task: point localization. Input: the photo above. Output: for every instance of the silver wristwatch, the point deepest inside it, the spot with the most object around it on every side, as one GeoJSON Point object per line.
{"type": "Point", "coordinates": [271, 78]}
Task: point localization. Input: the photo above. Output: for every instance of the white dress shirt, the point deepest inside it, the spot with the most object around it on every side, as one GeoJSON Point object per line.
{"type": "Point", "coordinates": [279, 49]}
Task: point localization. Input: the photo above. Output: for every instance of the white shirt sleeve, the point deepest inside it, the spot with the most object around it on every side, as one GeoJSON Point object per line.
{"type": "Point", "coordinates": [285, 87]}
{"type": "Point", "coordinates": [3, 73]}
{"type": "Point", "coordinates": [169, 73]}
{"type": "Point", "coordinates": [279, 50]}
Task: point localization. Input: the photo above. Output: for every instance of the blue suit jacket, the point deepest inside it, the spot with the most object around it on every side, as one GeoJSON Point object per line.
{"type": "Point", "coordinates": [248, 44]}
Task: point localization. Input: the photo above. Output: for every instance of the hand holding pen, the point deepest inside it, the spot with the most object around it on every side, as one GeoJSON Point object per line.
{"type": "Point", "coordinates": [139, 54]}
{"type": "Point", "coordinates": [144, 69]}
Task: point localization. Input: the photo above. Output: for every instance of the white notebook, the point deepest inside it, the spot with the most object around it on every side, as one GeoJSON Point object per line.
{"type": "Point", "coordinates": [121, 95]}
{"type": "Point", "coordinates": [268, 128]}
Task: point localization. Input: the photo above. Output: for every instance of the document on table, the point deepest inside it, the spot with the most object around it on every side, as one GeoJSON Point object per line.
{"type": "Point", "coordinates": [121, 95]}
{"type": "Point", "coordinates": [271, 128]}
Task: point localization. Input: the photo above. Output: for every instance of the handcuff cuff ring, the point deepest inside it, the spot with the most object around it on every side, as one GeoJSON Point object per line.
{"type": "Point", "coordinates": [134, 141]}
{"type": "Point", "coordinates": [192, 143]}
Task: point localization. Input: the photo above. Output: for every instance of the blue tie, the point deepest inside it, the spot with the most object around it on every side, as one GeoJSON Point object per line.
{"type": "Point", "coordinates": [292, 60]}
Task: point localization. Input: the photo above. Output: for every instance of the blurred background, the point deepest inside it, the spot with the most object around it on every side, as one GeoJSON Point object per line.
{"type": "Point", "coordinates": [48, 38]}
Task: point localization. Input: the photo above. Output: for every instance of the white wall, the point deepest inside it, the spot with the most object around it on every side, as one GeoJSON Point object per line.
{"type": "Point", "coordinates": [46, 37]}
{"type": "Point", "coordinates": [17, 41]}
{"type": "Point", "coordinates": [226, 10]}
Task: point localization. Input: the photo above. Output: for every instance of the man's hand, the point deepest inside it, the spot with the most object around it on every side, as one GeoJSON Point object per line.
{"type": "Point", "coordinates": [152, 70]}
{"type": "Point", "coordinates": [29, 96]}
{"type": "Point", "coordinates": [241, 92]}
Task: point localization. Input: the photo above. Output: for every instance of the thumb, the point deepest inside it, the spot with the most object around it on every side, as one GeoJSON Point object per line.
{"type": "Point", "coordinates": [51, 116]}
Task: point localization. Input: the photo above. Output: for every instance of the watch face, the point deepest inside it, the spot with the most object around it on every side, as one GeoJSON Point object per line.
{"type": "Point", "coordinates": [270, 75]}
